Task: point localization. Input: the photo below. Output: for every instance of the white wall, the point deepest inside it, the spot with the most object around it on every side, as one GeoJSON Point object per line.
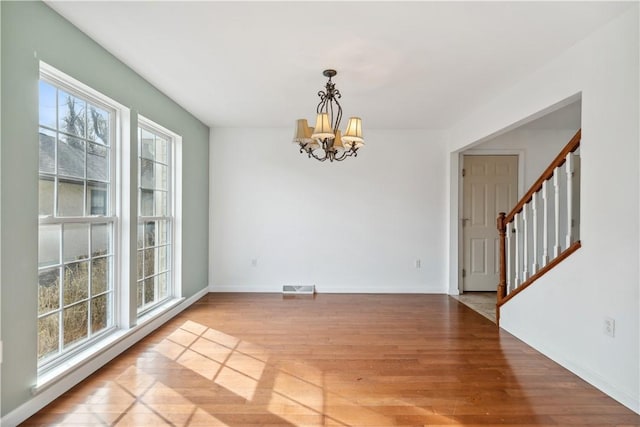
{"type": "Point", "coordinates": [538, 146]}
{"type": "Point", "coordinates": [354, 226]}
{"type": "Point", "coordinates": [562, 314]}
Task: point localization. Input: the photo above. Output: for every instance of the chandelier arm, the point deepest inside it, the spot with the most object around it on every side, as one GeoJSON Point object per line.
{"type": "Point", "coordinates": [322, 159]}
{"type": "Point", "coordinates": [342, 157]}
{"type": "Point", "coordinates": [331, 117]}
{"type": "Point", "coordinates": [323, 102]}
{"type": "Point", "coordinates": [338, 116]}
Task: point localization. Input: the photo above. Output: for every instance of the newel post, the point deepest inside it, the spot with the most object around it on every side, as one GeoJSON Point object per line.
{"type": "Point", "coordinates": [502, 284]}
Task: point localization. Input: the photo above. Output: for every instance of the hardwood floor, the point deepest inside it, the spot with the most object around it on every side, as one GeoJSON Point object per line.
{"type": "Point", "coordinates": [338, 360]}
{"type": "Point", "coordinates": [483, 303]}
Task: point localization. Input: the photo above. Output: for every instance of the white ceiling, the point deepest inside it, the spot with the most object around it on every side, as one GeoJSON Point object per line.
{"type": "Point", "coordinates": [400, 64]}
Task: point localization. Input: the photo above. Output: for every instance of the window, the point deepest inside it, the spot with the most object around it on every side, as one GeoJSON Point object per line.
{"type": "Point", "coordinates": [155, 215]}
{"type": "Point", "coordinates": [77, 216]}
{"type": "Point", "coordinates": [86, 289]}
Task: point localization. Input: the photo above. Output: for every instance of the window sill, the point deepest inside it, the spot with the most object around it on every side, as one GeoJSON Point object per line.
{"type": "Point", "coordinates": [101, 347]}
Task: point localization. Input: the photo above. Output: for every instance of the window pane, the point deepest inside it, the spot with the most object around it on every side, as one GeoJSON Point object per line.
{"type": "Point", "coordinates": [100, 272]}
{"type": "Point", "coordinates": [140, 235]}
{"type": "Point", "coordinates": [100, 239]}
{"type": "Point", "coordinates": [97, 162]}
{"type": "Point", "coordinates": [48, 330]}
{"type": "Point", "coordinates": [147, 144]}
{"type": "Point", "coordinates": [71, 156]}
{"type": "Point", "coordinates": [76, 282]}
{"type": "Point", "coordinates": [99, 313]}
{"type": "Point", "coordinates": [161, 208]}
{"type": "Point", "coordinates": [47, 103]}
{"type": "Point", "coordinates": [139, 293]}
{"type": "Point", "coordinates": [149, 262]}
{"type": "Point", "coordinates": [70, 198]}
{"type": "Point", "coordinates": [146, 202]}
{"type": "Point", "coordinates": [161, 259]}
{"type": "Point", "coordinates": [76, 242]}
{"type": "Point", "coordinates": [140, 264]}
{"type": "Point", "coordinates": [162, 232]}
{"type": "Point", "coordinates": [48, 290]}
{"type": "Point", "coordinates": [47, 153]}
{"type": "Point", "coordinates": [45, 196]}
{"type": "Point", "coordinates": [97, 198]}
{"type": "Point", "coordinates": [149, 234]}
{"type": "Point", "coordinates": [149, 291]}
{"type": "Point", "coordinates": [98, 125]}
{"type": "Point", "coordinates": [161, 177]}
{"type": "Point", "coordinates": [162, 150]}
{"type": "Point", "coordinates": [75, 320]}
{"type": "Point", "coordinates": [71, 111]}
{"type": "Point", "coordinates": [48, 245]}
{"type": "Point", "coordinates": [147, 179]}
{"type": "Point", "coordinates": [163, 286]}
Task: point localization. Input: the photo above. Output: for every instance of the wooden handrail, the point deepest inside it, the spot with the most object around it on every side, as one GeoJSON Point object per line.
{"type": "Point", "coordinates": [547, 174]}
{"type": "Point", "coordinates": [504, 219]}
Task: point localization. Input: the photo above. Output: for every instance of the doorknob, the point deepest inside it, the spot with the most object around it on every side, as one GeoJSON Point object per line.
{"type": "Point", "coordinates": [464, 221]}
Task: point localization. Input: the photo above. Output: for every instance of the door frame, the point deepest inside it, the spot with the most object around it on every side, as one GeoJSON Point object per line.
{"type": "Point", "coordinates": [457, 287]}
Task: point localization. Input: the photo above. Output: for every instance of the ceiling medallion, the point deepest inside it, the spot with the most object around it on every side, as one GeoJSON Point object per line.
{"type": "Point", "coordinates": [324, 141]}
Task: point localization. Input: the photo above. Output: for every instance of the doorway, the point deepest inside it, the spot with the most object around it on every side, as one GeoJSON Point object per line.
{"type": "Point", "coordinates": [490, 186]}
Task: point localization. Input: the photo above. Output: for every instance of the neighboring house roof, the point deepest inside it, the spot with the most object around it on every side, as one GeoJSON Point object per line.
{"type": "Point", "coordinates": [71, 154]}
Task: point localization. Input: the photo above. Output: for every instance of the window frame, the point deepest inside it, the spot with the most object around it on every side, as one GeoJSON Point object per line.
{"type": "Point", "coordinates": [174, 198]}
{"type": "Point", "coordinates": [118, 115]}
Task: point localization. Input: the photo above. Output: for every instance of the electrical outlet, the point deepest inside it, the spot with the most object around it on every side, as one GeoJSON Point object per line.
{"type": "Point", "coordinates": [609, 327]}
{"type": "Point", "coordinates": [254, 262]}
{"type": "Point", "coordinates": [418, 263]}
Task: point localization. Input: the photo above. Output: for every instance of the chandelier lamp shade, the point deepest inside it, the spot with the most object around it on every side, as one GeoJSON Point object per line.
{"type": "Point", "coordinates": [325, 141]}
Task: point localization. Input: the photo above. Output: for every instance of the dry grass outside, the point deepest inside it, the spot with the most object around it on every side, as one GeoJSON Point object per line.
{"type": "Point", "coordinates": [151, 287]}
{"type": "Point", "coordinates": [76, 286]}
{"type": "Point", "coordinates": [76, 324]}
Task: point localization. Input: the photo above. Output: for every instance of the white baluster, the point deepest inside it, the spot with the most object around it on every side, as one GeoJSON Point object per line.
{"type": "Point", "coordinates": [545, 223]}
{"type": "Point", "coordinates": [534, 219]}
{"type": "Point", "coordinates": [569, 165]}
{"type": "Point", "coordinates": [516, 225]}
{"type": "Point", "coordinates": [525, 242]}
{"type": "Point", "coordinates": [556, 189]}
{"type": "Point", "coordinates": [509, 257]}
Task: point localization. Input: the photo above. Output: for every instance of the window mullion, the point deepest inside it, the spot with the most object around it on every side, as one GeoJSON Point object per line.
{"type": "Point", "coordinates": [95, 219]}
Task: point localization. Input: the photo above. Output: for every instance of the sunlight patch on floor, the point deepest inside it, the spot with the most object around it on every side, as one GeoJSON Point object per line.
{"type": "Point", "coordinates": [295, 391]}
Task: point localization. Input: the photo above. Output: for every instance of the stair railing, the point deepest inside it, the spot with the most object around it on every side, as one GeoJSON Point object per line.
{"type": "Point", "coordinates": [543, 228]}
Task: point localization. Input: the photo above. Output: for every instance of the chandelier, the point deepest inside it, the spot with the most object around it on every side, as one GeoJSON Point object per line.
{"type": "Point", "coordinates": [324, 141]}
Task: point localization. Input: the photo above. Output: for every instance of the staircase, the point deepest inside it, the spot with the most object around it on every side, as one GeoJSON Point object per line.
{"type": "Point", "coordinates": [543, 228]}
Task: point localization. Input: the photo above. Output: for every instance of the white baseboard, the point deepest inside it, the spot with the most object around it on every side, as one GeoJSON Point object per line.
{"type": "Point", "coordinates": [245, 289]}
{"type": "Point", "coordinates": [46, 395]}
{"type": "Point", "coordinates": [624, 397]}
{"type": "Point", "coordinates": [335, 289]}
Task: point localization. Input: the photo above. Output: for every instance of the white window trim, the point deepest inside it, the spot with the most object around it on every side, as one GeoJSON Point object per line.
{"type": "Point", "coordinates": [120, 123]}
{"type": "Point", "coordinates": [175, 199]}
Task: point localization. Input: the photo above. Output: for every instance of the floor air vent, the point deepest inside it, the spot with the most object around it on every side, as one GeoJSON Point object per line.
{"type": "Point", "coordinates": [299, 290]}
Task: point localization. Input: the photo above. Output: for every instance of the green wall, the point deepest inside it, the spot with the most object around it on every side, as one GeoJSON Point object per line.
{"type": "Point", "coordinates": [30, 32]}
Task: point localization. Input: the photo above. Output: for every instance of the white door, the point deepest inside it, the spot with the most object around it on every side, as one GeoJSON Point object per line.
{"type": "Point", "coordinates": [490, 186]}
